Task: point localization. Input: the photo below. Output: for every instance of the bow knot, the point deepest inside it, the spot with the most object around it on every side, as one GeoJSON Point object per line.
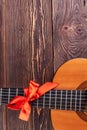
{"type": "Point", "coordinates": [32, 92]}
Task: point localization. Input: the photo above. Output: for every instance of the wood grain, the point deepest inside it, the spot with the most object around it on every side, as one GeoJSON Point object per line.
{"type": "Point", "coordinates": [69, 30]}
{"type": "Point", "coordinates": [36, 37]}
{"type": "Point", "coordinates": [18, 53]}
{"type": "Point", "coordinates": [2, 62]}
{"type": "Point", "coordinates": [42, 54]}
{"type": "Point", "coordinates": [29, 54]}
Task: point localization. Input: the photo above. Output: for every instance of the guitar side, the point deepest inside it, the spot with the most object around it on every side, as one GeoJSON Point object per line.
{"type": "Point", "coordinates": [70, 76]}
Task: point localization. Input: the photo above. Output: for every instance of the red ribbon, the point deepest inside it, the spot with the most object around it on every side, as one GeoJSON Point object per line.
{"type": "Point", "coordinates": [33, 92]}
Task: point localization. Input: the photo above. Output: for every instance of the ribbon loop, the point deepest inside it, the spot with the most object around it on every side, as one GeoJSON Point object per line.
{"type": "Point", "coordinates": [32, 92]}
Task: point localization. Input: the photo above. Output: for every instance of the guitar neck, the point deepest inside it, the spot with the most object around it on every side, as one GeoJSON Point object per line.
{"type": "Point", "coordinates": [54, 99]}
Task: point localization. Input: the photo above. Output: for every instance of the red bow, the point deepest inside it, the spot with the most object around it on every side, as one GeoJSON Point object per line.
{"type": "Point", "coordinates": [33, 92]}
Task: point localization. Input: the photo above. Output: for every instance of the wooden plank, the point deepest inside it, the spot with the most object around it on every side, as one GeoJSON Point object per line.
{"type": "Point", "coordinates": [18, 53]}
{"type": "Point", "coordinates": [42, 55]}
{"type": "Point", "coordinates": [2, 62]}
{"type": "Point", "coordinates": [29, 48]}
{"type": "Point", "coordinates": [28, 54]}
{"type": "Point", "coordinates": [69, 30]}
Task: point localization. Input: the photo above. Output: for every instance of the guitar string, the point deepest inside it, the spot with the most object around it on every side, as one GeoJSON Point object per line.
{"type": "Point", "coordinates": [47, 104]}
{"type": "Point", "coordinates": [53, 98]}
{"type": "Point", "coordinates": [53, 92]}
{"type": "Point", "coordinates": [58, 107]}
{"type": "Point", "coordinates": [20, 92]}
{"type": "Point", "coordinates": [58, 100]}
{"type": "Point", "coordinates": [58, 104]}
{"type": "Point", "coordinates": [47, 95]}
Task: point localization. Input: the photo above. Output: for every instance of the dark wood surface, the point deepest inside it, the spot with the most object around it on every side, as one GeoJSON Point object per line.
{"type": "Point", "coordinates": [36, 37]}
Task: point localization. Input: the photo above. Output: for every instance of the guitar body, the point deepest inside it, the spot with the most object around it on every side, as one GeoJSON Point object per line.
{"type": "Point", "coordinates": [70, 76]}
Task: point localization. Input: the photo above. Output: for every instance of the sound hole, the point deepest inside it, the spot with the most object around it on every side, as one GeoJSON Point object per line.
{"type": "Point", "coordinates": [82, 115]}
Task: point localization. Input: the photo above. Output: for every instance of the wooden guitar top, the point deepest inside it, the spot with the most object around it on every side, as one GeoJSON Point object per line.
{"type": "Point", "coordinates": [71, 75]}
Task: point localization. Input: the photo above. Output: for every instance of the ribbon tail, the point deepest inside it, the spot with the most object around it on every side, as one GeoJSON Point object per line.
{"type": "Point", "coordinates": [16, 103]}
{"type": "Point", "coordinates": [25, 112]}
{"type": "Point", "coordinates": [46, 87]}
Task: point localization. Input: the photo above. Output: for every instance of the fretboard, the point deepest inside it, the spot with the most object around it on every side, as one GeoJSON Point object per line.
{"type": "Point", "coordinates": [55, 99]}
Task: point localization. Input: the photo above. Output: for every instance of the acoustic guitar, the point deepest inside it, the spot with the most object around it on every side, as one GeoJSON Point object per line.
{"type": "Point", "coordinates": [68, 101]}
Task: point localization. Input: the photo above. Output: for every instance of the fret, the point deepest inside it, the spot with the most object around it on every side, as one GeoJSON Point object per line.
{"type": "Point", "coordinates": [50, 100]}
{"type": "Point", "coordinates": [37, 102]}
{"type": "Point", "coordinates": [80, 100]}
{"type": "Point", "coordinates": [61, 100]}
{"type": "Point", "coordinates": [16, 91]}
{"type": "Point", "coordinates": [75, 100]}
{"type": "Point", "coordinates": [52, 106]}
{"type": "Point", "coordinates": [83, 100]}
{"type": "Point", "coordinates": [47, 96]}
{"type": "Point", "coordinates": [8, 95]}
{"type": "Point", "coordinates": [66, 101]}
{"type": "Point", "coordinates": [0, 96]}
{"type": "Point", "coordinates": [44, 101]}
{"type": "Point", "coordinates": [58, 99]}
{"type": "Point", "coordinates": [71, 100]}
{"type": "Point", "coordinates": [55, 99]}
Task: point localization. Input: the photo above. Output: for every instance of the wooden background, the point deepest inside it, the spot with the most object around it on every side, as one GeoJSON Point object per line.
{"type": "Point", "coordinates": [36, 37]}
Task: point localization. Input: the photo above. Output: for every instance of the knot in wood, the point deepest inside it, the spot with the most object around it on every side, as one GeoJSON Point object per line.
{"type": "Point", "coordinates": [80, 30]}
{"type": "Point", "coordinates": [75, 32]}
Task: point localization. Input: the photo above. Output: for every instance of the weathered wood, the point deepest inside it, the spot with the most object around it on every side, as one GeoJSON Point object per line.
{"type": "Point", "coordinates": [29, 54]}
{"type": "Point", "coordinates": [32, 48]}
{"type": "Point", "coordinates": [69, 30]}
{"type": "Point", "coordinates": [18, 53]}
{"type": "Point", "coordinates": [42, 54]}
{"type": "Point", "coordinates": [2, 62]}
